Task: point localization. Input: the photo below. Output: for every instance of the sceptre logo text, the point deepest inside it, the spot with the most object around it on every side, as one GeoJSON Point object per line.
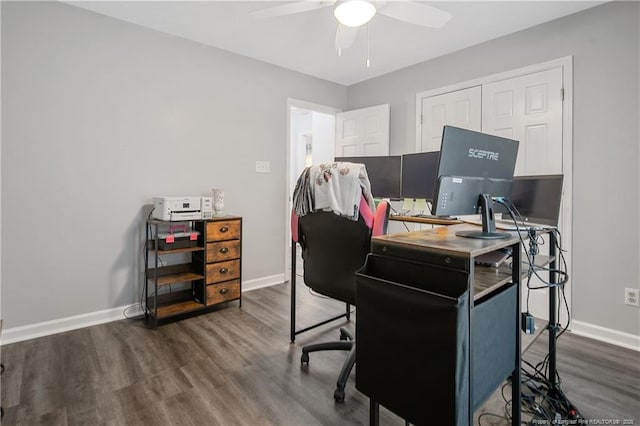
{"type": "Point", "coordinates": [483, 155]}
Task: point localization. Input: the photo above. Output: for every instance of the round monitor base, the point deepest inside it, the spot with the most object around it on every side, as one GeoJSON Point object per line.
{"type": "Point", "coordinates": [483, 235]}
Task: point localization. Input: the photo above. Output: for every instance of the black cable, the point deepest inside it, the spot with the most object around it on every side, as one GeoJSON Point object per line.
{"type": "Point", "coordinates": [489, 414]}
{"type": "Point", "coordinates": [146, 260]}
{"type": "Point", "coordinates": [533, 248]}
{"type": "Point", "coordinates": [560, 404]}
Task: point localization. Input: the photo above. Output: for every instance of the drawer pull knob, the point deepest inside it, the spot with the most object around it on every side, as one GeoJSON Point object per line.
{"type": "Point", "coordinates": [224, 250]}
{"type": "Point", "coordinates": [224, 291]}
{"type": "Point", "coordinates": [224, 229]}
{"type": "Point", "coordinates": [224, 270]}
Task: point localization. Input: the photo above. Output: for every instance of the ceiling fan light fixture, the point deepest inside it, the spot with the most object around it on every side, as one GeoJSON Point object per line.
{"type": "Point", "coordinates": [354, 13]}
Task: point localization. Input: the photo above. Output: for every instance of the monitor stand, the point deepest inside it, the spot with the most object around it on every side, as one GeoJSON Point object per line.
{"type": "Point", "coordinates": [488, 223]}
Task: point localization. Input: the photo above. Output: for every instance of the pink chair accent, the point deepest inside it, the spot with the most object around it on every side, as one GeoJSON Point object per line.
{"type": "Point", "coordinates": [381, 219]}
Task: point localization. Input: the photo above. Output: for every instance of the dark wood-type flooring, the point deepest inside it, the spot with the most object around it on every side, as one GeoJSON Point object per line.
{"type": "Point", "coordinates": [235, 366]}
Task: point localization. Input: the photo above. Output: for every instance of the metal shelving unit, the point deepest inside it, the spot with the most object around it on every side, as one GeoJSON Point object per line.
{"type": "Point", "coordinates": [159, 303]}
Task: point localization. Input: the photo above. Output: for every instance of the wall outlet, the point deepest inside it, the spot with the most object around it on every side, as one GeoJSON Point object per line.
{"type": "Point", "coordinates": [632, 296]}
{"type": "Point", "coordinates": [263, 167]}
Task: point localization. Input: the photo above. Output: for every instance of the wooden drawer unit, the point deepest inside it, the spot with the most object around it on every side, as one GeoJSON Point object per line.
{"type": "Point", "coordinates": [223, 250]}
{"type": "Point", "coordinates": [222, 230]}
{"type": "Point", "coordinates": [223, 271]}
{"type": "Point", "coordinates": [211, 273]}
{"type": "Point", "coordinates": [218, 293]}
{"type": "Point", "coordinates": [222, 258]}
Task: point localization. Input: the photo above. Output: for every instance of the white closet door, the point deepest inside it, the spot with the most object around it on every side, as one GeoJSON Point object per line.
{"type": "Point", "coordinates": [528, 109]}
{"type": "Point", "coordinates": [363, 132]}
{"type": "Point", "coordinates": [461, 108]}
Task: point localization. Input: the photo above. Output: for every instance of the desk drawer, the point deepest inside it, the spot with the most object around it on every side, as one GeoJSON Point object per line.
{"type": "Point", "coordinates": [218, 293]}
{"type": "Point", "coordinates": [223, 230]}
{"type": "Point", "coordinates": [223, 250]}
{"type": "Point", "coordinates": [223, 271]}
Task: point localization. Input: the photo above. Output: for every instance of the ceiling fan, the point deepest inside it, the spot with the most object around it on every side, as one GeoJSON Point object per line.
{"type": "Point", "coordinates": [352, 14]}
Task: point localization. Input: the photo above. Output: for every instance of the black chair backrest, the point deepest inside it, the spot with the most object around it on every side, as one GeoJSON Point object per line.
{"type": "Point", "coordinates": [333, 249]}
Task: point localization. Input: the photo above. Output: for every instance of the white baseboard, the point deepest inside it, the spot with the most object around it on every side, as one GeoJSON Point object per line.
{"type": "Point", "coordinates": [607, 335]}
{"type": "Point", "coordinates": [263, 282]}
{"type": "Point", "coordinates": [46, 328]}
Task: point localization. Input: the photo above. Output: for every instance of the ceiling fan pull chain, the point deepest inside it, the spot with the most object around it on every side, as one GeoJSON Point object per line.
{"type": "Point", "coordinates": [368, 45]}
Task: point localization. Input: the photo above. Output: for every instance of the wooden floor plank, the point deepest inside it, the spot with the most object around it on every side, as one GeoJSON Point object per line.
{"type": "Point", "coordinates": [236, 366]}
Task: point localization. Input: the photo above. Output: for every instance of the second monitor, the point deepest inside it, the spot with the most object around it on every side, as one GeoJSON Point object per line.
{"type": "Point", "coordinates": [383, 172]}
{"type": "Point", "coordinates": [419, 175]}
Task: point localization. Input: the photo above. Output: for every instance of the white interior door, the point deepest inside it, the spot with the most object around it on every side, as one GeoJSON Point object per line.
{"type": "Point", "coordinates": [461, 108]}
{"type": "Point", "coordinates": [363, 132]}
{"type": "Point", "coordinates": [529, 109]}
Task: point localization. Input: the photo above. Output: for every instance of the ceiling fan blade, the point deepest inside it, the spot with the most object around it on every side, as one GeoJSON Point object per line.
{"type": "Point", "coordinates": [291, 8]}
{"type": "Point", "coordinates": [345, 36]}
{"type": "Point", "coordinates": [416, 13]}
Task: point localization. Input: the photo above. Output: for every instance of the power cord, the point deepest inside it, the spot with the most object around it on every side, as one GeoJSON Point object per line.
{"type": "Point", "coordinates": [547, 401]}
{"type": "Point", "coordinates": [532, 249]}
{"type": "Point", "coordinates": [145, 256]}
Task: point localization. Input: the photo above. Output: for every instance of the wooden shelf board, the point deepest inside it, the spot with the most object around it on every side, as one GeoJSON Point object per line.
{"type": "Point", "coordinates": [174, 303]}
{"type": "Point", "coordinates": [176, 278]}
{"type": "Point", "coordinates": [179, 250]}
{"type": "Point", "coordinates": [488, 278]}
{"type": "Point", "coordinates": [424, 220]}
{"type": "Point", "coordinates": [179, 308]}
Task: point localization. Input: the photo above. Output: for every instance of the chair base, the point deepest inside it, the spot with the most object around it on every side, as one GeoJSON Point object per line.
{"type": "Point", "coordinates": [346, 343]}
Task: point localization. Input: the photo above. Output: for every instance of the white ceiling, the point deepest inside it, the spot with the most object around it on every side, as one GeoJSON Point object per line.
{"type": "Point", "coordinates": [304, 42]}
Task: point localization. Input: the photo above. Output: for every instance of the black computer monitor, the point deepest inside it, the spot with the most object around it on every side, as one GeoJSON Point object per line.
{"type": "Point", "coordinates": [473, 168]}
{"type": "Point", "coordinates": [419, 173]}
{"type": "Point", "coordinates": [537, 198]}
{"type": "Point", "coordinates": [383, 172]}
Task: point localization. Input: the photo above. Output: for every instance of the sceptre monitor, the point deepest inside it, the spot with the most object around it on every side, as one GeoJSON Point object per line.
{"type": "Point", "coordinates": [419, 175]}
{"type": "Point", "coordinates": [383, 172]}
{"type": "Point", "coordinates": [473, 168]}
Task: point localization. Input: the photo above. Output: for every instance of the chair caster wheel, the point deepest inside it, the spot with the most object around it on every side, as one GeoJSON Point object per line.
{"type": "Point", "coordinates": [338, 395]}
{"type": "Point", "coordinates": [345, 335]}
{"type": "Point", "coordinates": [304, 359]}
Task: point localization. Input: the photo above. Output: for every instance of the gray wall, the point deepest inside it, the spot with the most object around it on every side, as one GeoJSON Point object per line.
{"type": "Point", "coordinates": [604, 43]}
{"type": "Point", "coordinates": [98, 117]}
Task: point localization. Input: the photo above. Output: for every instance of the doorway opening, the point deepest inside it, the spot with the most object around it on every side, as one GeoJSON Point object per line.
{"type": "Point", "coordinates": [311, 130]}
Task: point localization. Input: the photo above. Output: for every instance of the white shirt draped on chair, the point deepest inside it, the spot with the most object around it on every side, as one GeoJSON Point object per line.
{"type": "Point", "coordinates": [335, 187]}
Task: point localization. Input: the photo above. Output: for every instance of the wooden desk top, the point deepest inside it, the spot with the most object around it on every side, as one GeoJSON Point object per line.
{"type": "Point", "coordinates": [444, 240]}
{"type": "Point", "coordinates": [424, 220]}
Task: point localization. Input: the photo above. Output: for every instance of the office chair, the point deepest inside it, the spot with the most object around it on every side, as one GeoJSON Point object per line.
{"type": "Point", "coordinates": [333, 249]}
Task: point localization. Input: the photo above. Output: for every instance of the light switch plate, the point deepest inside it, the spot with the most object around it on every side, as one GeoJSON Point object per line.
{"type": "Point", "coordinates": [263, 167]}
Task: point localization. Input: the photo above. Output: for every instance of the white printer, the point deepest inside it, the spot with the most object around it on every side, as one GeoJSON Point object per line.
{"type": "Point", "coordinates": [182, 208]}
